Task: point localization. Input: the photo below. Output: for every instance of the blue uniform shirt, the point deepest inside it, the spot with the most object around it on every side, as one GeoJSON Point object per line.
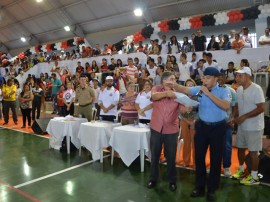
{"type": "Point", "coordinates": [208, 111]}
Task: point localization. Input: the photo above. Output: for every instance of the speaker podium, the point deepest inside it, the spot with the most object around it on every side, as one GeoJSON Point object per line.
{"type": "Point", "coordinates": [40, 125]}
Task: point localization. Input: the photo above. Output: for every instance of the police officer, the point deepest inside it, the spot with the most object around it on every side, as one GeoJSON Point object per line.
{"type": "Point", "coordinates": [85, 96]}
{"type": "Point", "coordinates": [210, 129]}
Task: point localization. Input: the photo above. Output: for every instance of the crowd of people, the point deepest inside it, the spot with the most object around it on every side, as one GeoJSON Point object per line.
{"type": "Point", "coordinates": [147, 94]}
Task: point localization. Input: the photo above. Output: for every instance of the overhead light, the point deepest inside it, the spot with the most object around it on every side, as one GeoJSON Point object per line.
{"type": "Point", "coordinates": [138, 12]}
{"type": "Point", "coordinates": [23, 39]}
{"type": "Point", "coordinates": [39, 1]}
{"type": "Point", "coordinates": [67, 28]}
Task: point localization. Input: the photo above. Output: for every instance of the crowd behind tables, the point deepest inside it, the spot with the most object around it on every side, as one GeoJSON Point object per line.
{"type": "Point", "coordinates": [124, 85]}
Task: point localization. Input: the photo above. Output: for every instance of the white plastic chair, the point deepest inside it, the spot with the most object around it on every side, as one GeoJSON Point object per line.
{"type": "Point", "coordinates": [94, 113]}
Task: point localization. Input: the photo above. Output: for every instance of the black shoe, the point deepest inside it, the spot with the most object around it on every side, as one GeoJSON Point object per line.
{"type": "Point", "coordinates": [211, 196]}
{"type": "Point", "coordinates": [151, 184]}
{"type": "Point", "coordinates": [197, 193]}
{"type": "Point", "coordinates": [172, 186]}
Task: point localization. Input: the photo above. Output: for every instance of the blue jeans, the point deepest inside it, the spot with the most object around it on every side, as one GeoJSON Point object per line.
{"type": "Point", "coordinates": [227, 147]}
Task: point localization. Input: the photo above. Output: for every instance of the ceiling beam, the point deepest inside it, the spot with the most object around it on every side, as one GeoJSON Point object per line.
{"type": "Point", "coordinates": [3, 47]}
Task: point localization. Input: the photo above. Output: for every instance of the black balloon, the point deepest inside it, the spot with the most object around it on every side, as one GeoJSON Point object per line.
{"type": "Point", "coordinates": [173, 24]}
{"type": "Point", "coordinates": [70, 42]}
{"type": "Point", "coordinates": [147, 31]}
{"type": "Point", "coordinates": [27, 52]}
{"type": "Point", "coordinates": [53, 48]}
{"type": "Point", "coordinates": [208, 20]}
{"type": "Point", "coordinates": [119, 45]}
{"type": "Point", "coordinates": [250, 13]}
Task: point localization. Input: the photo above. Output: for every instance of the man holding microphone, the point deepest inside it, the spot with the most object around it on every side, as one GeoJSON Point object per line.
{"type": "Point", "coordinates": [210, 129]}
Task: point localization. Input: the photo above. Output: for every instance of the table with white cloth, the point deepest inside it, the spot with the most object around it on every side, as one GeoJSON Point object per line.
{"type": "Point", "coordinates": [96, 135]}
{"type": "Point", "coordinates": [59, 127]}
{"type": "Point", "coordinates": [131, 141]}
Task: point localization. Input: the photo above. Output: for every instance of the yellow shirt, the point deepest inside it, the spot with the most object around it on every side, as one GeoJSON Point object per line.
{"type": "Point", "coordinates": [7, 90]}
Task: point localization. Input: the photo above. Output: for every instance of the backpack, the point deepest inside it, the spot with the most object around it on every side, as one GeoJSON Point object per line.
{"type": "Point", "coordinates": [63, 147]}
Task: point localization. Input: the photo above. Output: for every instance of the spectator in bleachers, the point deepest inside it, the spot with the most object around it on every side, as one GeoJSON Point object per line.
{"type": "Point", "coordinates": [246, 38]}
{"type": "Point", "coordinates": [97, 50]}
{"type": "Point", "coordinates": [63, 55]}
{"type": "Point", "coordinates": [131, 48]}
{"type": "Point", "coordinates": [194, 60]}
{"type": "Point", "coordinates": [213, 45]}
{"type": "Point", "coordinates": [226, 43]}
{"type": "Point", "coordinates": [121, 79]}
{"type": "Point", "coordinates": [230, 73]}
{"type": "Point", "coordinates": [237, 44]}
{"type": "Point", "coordinates": [210, 62]}
{"type": "Point", "coordinates": [114, 50]}
{"type": "Point", "coordinates": [140, 47]}
{"type": "Point", "coordinates": [186, 47]}
{"type": "Point", "coordinates": [199, 41]}
{"type": "Point", "coordinates": [35, 60]}
{"type": "Point", "coordinates": [198, 72]}
{"type": "Point", "coordinates": [94, 67]}
{"type": "Point", "coordinates": [244, 63]}
{"type": "Point", "coordinates": [157, 79]}
{"type": "Point", "coordinates": [145, 76]}
{"type": "Point", "coordinates": [174, 62]}
{"type": "Point", "coordinates": [185, 69]}
{"type": "Point", "coordinates": [265, 39]}
{"type": "Point", "coordinates": [79, 67]}
{"type": "Point", "coordinates": [96, 89]}
{"type": "Point", "coordinates": [174, 46]}
{"type": "Point", "coordinates": [232, 35]}
{"type": "Point", "coordinates": [164, 46]}
{"type": "Point", "coordinates": [152, 68]}
{"type": "Point", "coordinates": [125, 47]}
{"type": "Point", "coordinates": [159, 61]}
{"type": "Point", "coordinates": [221, 41]}
{"type": "Point", "coordinates": [85, 52]}
{"type": "Point", "coordinates": [119, 63]}
{"type": "Point", "coordinates": [106, 50]}
{"type": "Point", "coordinates": [112, 66]}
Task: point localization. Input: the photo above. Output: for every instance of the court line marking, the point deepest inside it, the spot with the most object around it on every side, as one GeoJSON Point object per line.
{"type": "Point", "coordinates": [17, 130]}
{"type": "Point", "coordinates": [19, 191]}
{"type": "Point", "coordinates": [57, 173]}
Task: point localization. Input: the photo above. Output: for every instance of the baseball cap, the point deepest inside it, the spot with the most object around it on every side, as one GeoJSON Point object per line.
{"type": "Point", "coordinates": [109, 78]}
{"type": "Point", "coordinates": [211, 71]}
{"type": "Point", "coordinates": [245, 70]}
{"type": "Point", "coordinates": [95, 79]}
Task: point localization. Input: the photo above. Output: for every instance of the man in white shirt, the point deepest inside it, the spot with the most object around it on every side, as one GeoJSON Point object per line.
{"type": "Point", "coordinates": [210, 62]}
{"type": "Point", "coordinates": [265, 39]}
{"type": "Point", "coordinates": [125, 46]}
{"type": "Point", "coordinates": [108, 100]}
{"type": "Point", "coordinates": [250, 119]}
{"type": "Point", "coordinates": [246, 38]}
{"type": "Point", "coordinates": [152, 69]}
{"type": "Point", "coordinates": [185, 69]}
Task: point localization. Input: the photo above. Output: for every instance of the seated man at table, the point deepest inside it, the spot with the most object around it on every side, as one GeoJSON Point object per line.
{"type": "Point", "coordinates": [108, 100]}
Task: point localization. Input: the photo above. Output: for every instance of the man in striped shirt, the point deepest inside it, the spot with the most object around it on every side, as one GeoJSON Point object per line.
{"type": "Point", "coordinates": [132, 71]}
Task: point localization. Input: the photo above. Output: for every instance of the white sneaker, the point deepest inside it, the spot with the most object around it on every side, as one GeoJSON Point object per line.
{"type": "Point", "coordinates": [207, 170]}
{"type": "Point", "coordinates": [227, 172]}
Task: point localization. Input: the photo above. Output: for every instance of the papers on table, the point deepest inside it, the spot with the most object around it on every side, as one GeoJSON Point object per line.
{"type": "Point", "coordinates": [185, 100]}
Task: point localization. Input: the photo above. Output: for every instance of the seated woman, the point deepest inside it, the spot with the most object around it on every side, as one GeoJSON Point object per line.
{"type": "Point", "coordinates": [143, 103]}
{"type": "Point", "coordinates": [127, 102]}
{"type": "Point", "coordinates": [213, 45]}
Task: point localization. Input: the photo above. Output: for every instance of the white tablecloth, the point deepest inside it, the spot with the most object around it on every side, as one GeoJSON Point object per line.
{"type": "Point", "coordinates": [95, 136]}
{"type": "Point", "coordinates": [59, 128]}
{"type": "Point", "coordinates": [129, 140]}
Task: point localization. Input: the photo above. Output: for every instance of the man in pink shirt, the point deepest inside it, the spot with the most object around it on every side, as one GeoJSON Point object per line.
{"type": "Point", "coordinates": [164, 130]}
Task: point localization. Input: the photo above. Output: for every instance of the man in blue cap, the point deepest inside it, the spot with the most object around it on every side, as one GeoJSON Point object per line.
{"type": "Point", "coordinates": [210, 129]}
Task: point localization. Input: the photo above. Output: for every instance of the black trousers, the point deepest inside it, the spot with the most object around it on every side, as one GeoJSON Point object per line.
{"type": "Point", "coordinates": [26, 114]}
{"type": "Point", "coordinates": [70, 111]}
{"type": "Point", "coordinates": [108, 118]}
{"type": "Point", "coordinates": [145, 121]}
{"type": "Point", "coordinates": [36, 107]}
{"type": "Point", "coordinates": [170, 143]}
{"type": "Point", "coordinates": [12, 106]}
{"type": "Point", "coordinates": [213, 136]}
